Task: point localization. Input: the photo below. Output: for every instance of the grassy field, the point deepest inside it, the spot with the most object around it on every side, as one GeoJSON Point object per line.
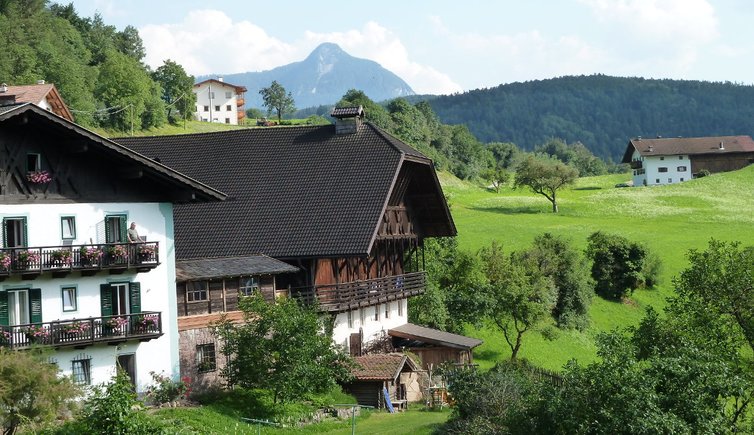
{"type": "Point", "coordinates": [670, 220]}
{"type": "Point", "coordinates": [210, 420]}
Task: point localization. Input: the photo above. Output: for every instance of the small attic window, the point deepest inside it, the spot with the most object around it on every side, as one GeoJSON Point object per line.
{"type": "Point", "coordinates": [33, 162]}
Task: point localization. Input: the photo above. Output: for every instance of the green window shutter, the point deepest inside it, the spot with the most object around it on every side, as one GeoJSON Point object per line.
{"type": "Point", "coordinates": [106, 300]}
{"type": "Point", "coordinates": [5, 233]}
{"type": "Point", "coordinates": [35, 305]}
{"type": "Point", "coordinates": [123, 229]}
{"type": "Point", "coordinates": [109, 236]}
{"type": "Point", "coordinates": [134, 292]}
{"type": "Point", "coordinates": [24, 238]}
{"type": "Point", "coordinates": [4, 309]}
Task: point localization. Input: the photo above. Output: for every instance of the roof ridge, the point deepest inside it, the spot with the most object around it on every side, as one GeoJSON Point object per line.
{"type": "Point", "coordinates": [217, 133]}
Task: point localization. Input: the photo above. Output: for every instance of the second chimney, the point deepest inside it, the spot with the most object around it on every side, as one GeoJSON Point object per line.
{"type": "Point", "coordinates": [348, 120]}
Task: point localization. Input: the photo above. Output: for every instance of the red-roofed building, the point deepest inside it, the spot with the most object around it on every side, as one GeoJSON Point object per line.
{"type": "Point", "coordinates": [44, 95]}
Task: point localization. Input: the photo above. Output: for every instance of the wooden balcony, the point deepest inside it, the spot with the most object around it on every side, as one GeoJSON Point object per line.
{"type": "Point", "coordinates": [240, 102]}
{"type": "Point", "coordinates": [88, 259]}
{"type": "Point", "coordinates": [80, 333]}
{"type": "Point", "coordinates": [355, 294]}
{"type": "Point", "coordinates": [636, 164]}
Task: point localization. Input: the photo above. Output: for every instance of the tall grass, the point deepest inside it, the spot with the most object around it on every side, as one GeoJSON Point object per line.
{"type": "Point", "coordinates": [670, 220]}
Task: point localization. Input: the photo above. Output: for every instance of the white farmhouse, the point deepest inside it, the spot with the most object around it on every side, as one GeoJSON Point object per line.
{"type": "Point", "coordinates": [44, 95]}
{"type": "Point", "coordinates": [217, 101]}
{"type": "Point", "coordinates": [70, 279]}
{"type": "Point", "coordinates": [673, 160]}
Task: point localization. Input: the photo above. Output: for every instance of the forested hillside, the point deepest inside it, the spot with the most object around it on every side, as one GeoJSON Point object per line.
{"type": "Point", "coordinates": [600, 111]}
{"type": "Point", "coordinates": [97, 68]}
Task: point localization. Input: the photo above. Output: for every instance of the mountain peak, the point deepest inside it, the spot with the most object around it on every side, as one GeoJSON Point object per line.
{"type": "Point", "coordinates": [327, 51]}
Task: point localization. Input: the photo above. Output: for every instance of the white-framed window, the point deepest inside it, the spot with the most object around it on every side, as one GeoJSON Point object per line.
{"type": "Point", "coordinates": [81, 370]}
{"type": "Point", "coordinates": [387, 310]}
{"type": "Point", "coordinates": [247, 285]}
{"type": "Point", "coordinates": [670, 180]}
{"type": "Point", "coordinates": [377, 313]}
{"type": "Point", "coordinates": [205, 358]}
{"type": "Point", "coordinates": [211, 95]}
{"type": "Point", "coordinates": [227, 107]}
{"type": "Point", "coordinates": [662, 158]}
{"type": "Point", "coordinates": [362, 316]}
{"type": "Point", "coordinates": [228, 94]}
{"type": "Point", "coordinates": [18, 307]}
{"type": "Point", "coordinates": [69, 297]}
{"type": "Point", "coordinates": [217, 108]}
{"type": "Point", "coordinates": [206, 109]}
{"type": "Point", "coordinates": [680, 157]}
{"type": "Point", "coordinates": [657, 181]}
{"type": "Point", "coordinates": [681, 178]}
{"type": "Point", "coordinates": [196, 291]}
{"type": "Point", "coordinates": [120, 296]}
{"type": "Point", "coordinates": [400, 308]}
{"type": "Point", "coordinates": [227, 120]}
{"type": "Point", "coordinates": [68, 227]}
{"type": "Point", "coordinates": [681, 169]}
{"type": "Point", "coordinates": [662, 169]}
{"type": "Point", "coordinates": [350, 319]}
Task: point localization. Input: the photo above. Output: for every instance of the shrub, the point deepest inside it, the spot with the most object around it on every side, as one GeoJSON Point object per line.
{"type": "Point", "coordinates": [620, 266]}
{"type": "Point", "coordinates": [166, 390]}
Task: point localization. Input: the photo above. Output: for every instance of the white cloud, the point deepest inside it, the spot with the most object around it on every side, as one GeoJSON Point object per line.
{"type": "Point", "coordinates": [208, 41]}
{"type": "Point", "coordinates": [677, 21]}
{"type": "Point", "coordinates": [379, 44]}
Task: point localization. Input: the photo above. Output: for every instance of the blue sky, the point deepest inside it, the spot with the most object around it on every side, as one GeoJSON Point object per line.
{"type": "Point", "coordinates": [441, 46]}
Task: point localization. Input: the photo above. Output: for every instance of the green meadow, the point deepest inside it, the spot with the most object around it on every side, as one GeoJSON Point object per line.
{"type": "Point", "coordinates": [670, 220]}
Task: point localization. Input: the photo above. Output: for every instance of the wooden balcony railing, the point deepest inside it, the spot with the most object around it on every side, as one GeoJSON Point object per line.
{"type": "Point", "coordinates": [61, 260]}
{"type": "Point", "coordinates": [635, 164]}
{"type": "Point", "coordinates": [83, 332]}
{"type": "Point", "coordinates": [351, 295]}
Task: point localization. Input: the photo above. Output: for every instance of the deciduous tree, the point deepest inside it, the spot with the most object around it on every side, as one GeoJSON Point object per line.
{"type": "Point", "coordinates": [177, 89]}
{"type": "Point", "coordinates": [545, 176]}
{"type": "Point", "coordinates": [282, 347]}
{"type": "Point", "coordinates": [276, 99]}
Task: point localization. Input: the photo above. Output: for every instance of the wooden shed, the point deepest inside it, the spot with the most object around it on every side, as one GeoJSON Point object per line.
{"type": "Point", "coordinates": [394, 371]}
{"type": "Point", "coordinates": [434, 347]}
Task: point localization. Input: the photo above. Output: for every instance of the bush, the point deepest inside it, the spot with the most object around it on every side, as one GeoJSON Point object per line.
{"type": "Point", "coordinates": [620, 266]}
{"type": "Point", "coordinates": [166, 390]}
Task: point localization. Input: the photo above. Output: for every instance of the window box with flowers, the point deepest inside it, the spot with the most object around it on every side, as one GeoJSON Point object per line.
{"type": "Point", "coordinates": [5, 261]}
{"type": "Point", "coordinates": [90, 256]}
{"type": "Point", "coordinates": [74, 331]}
{"type": "Point", "coordinates": [117, 253]}
{"type": "Point", "coordinates": [147, 323]}
{"type": "Point", "coordinates": [147, 253]}
{"type": "Point", "coordinates": [38, 177]}
{"type": "Point", "coordinates": [37, 334]}
{"type": "Point", "coordinates": [26, 259]}
{"type": "Point", "coordinates": [61, 258]}
{"type": "Point", "coordinates": [115, 326]}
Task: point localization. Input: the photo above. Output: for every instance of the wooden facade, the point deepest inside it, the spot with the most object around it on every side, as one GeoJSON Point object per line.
{"type": "Point", "coordinates": [721, 162]}
{"type": "Point", "coordinates": [218, 295]}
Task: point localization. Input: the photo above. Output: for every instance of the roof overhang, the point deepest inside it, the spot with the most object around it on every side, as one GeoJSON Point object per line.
{"type": "Point", "coordinates": [229, 267]}
{"type": "Point", "coordinates": [194, 190]}
{"type": "Point", "coordinates": [436, 337]}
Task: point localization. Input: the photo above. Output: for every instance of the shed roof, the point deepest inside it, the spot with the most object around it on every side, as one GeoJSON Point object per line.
{"type": "Point", "coordinates": [208, 268]}
{"type": "Point", "coordinates": [688, 146]}
{"type": "Point", "coordinates": [381, 367]}
{"type": "Point", "coordinates": [423, 334]}
{"type": "Point", "coordinates": [295, 192]}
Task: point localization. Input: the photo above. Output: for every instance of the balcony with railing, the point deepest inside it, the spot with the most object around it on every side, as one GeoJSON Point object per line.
{"type": "Point", "coordinates": [355, 294]}
{"type": "Point", "coordinates": [88, 259]}
{"type": "Point", "coordinates": [636, 164]}
{"type": "Point", "coordinates": [84, 332]}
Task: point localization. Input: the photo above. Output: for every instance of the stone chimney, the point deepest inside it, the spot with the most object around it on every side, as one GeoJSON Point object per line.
{"type": "Point", "coordinates": [220, 79]}
{"type": "Point", "coordinates": [348, 120]}
{"type": "Point", "coordinates": [40, 82]}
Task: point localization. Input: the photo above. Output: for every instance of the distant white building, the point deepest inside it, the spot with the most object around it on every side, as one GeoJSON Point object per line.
{"type": "Point", "coordinates": [673, 160]}
{"type": "Point", "coordinates": [217, 101]}
{"type": "Point", "coordinates": [44, 95]}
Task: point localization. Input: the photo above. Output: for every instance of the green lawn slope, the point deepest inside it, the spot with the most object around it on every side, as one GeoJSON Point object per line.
{"type": "Point", "coordinates": [670, 220]}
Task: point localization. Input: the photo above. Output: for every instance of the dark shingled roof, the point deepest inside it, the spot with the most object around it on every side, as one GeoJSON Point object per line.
{"type": "Point", "coordinates": [380, 367]}
{"type": "Point", "coordinates": [208, 268]}
{"type": "Point", "coordinates": [688, 146]}
{"type": "Point", "coordinates": [423, 334]}
{"type": "Point", "coordinates": [292, 191]}
{"type": "Point", "coordinates": [347, 112]}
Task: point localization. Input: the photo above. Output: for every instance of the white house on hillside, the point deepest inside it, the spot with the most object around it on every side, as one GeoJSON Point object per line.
{"type": "Point", "coordinates": [217, 101]}
{"type": "Point", "coordinates": [69, 277]}
{"type": "Point", "coordinates": [674, 160]}
{"type": "Point", "coordinates": [44, 95]}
